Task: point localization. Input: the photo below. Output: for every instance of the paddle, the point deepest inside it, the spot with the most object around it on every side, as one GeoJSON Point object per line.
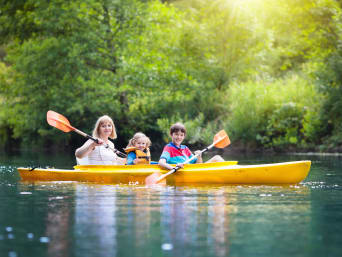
{"type": "Point", "coordinates": [59, 121]}
{"type": "Point", "coordinates": [221, 140]}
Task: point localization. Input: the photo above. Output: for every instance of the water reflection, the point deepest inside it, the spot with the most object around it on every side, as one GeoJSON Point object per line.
{"type": "Point", "coordinates": [197, 219]}
{"type": "Point", "coordinates": [58, 223]}
{"type": "Point", "coordinates": [219, 212]}
{"type": "Point", "coordinates": [95, 228]}
{"type": "Point", "coordinates": [120, 220]}
{"type": "Point", "coordinates": [126, 220]}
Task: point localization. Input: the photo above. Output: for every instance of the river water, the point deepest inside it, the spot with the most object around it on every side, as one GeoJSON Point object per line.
{"type": "Point", "coordinates": [80, 219]}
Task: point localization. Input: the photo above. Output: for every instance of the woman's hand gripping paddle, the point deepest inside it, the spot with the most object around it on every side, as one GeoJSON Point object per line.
{"type": "Point", "coordinates": [59, 121]}
{"type": "Point", "coordinates": [221, 140]}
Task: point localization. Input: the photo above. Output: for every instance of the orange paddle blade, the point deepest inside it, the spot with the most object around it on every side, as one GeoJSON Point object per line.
{"type": "Point", "coordinates": [222, 140]}
{"type": "Point", "coordinates": [154, 179]}
{"type": "Point", "coordinates": [59, 121]}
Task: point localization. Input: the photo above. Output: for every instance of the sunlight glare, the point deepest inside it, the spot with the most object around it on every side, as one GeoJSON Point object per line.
{"type": "Point", "coordinates": [247, 6]}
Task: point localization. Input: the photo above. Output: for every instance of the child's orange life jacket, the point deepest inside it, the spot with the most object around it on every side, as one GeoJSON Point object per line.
{"type": "Point", "coordinates": [143, 157]}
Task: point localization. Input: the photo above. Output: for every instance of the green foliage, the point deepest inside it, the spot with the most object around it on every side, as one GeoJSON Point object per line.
{"type": "Point", "coordinates": [285, 125]}
{"type": "Point", "coordinates": [329, 80]}
{"type": "Point", "coordinates": [69, 66]}
{"type": "Point", "coordinates": [331, 113]}
{"type": "Point", "coordinates": [4, 135]}
{"type": "Point", "coordinates": [271, 113]}
{"type": "Point", "coordinates": [244, 65]}
{"type": "Point", "coordinates": [198, 131]}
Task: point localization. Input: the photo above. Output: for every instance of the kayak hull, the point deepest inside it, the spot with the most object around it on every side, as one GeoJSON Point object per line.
{"type": "Point", "coordinates": [205, 173]}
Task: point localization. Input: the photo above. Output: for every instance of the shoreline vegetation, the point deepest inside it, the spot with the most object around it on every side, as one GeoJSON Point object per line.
{"type": "Point", "coordinates": [267, 72]}
{"type": "Point", "coordinates": [233, 149]}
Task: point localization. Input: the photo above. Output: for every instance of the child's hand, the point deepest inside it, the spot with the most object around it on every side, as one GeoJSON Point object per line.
{"type": "Point", "coordinates": [199, 156]}
{"type": "Point", "coordinates": [180, 165]}
{"type": "Point", "coordinates": [198, 152]}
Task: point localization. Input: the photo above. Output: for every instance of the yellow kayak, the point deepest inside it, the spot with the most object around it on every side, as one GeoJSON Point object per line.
{"type": "Point", "coordinates": [205, 173]}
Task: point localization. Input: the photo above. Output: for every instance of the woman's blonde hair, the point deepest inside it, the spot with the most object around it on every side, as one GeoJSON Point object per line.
{"type": "Point", "coordinates": [99, 122]}
{"type": "Point", "coordinates": [136, 137]}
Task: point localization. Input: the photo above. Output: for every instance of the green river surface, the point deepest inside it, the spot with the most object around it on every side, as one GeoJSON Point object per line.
{"type": "Point", "coordinates": [80, 219]}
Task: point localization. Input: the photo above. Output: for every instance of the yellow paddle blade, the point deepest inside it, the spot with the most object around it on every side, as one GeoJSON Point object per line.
{"type": "Point", "coordinates": [59, 121]}
{"type": "Point", "coordinates": [221, 139]}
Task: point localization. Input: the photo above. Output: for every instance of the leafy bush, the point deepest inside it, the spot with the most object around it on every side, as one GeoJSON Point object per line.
{"type": "Point", "coordinates": [271, 113]}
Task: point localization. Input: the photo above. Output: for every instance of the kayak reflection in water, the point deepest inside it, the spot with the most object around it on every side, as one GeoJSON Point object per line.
{"type": "Point", "coordinates": [100, 152]}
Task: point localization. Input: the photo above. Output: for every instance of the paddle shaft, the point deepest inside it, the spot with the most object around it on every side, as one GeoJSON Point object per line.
{"type": "Point", "coordinates": [97, 141]}
{"type": "Point", "coordinates": [187, 161]}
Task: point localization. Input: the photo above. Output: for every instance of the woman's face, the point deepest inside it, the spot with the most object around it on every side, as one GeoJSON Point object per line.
{"type": "Point", "coordinates": [141, 143]}
{"type": "Point", "coordinates": [106, 129]}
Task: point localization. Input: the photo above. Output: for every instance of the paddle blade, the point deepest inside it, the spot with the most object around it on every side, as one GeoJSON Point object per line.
{"type": "Point", "coordinates": [59, 121]}
{"type": "Point", "coordinates": [221, 139]}
{"type": "Point", "coordinates": [153, 179]}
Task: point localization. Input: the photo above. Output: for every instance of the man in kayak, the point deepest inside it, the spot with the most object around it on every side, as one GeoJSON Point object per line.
{"type": "Point", "coordinates": [176, 153]}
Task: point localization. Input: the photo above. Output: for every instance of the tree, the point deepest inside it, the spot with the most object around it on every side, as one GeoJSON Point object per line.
{"type": "Point", "coordinates": [67, 61]}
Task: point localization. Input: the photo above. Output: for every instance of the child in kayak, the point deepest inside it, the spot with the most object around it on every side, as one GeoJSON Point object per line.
{"type": "Point", "coordinates": [176, 153]}
{"type": "Point", "coordinates": [99, 153]}
{"type": "Point", "coordinates": [138, 151]}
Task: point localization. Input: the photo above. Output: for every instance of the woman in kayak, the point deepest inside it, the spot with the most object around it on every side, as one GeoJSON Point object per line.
{"type": "Point", "coordinates": [176, 153]}
{"type": "Point", "coordinates": [101, 152]}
